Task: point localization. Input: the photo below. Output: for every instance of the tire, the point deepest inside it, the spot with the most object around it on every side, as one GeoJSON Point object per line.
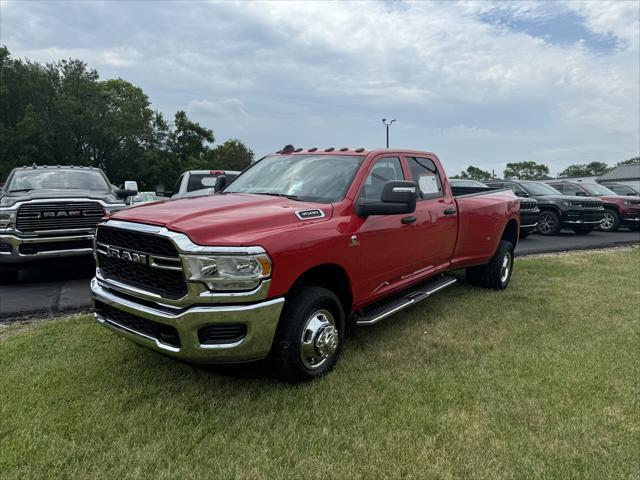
{"type": "Point", "coordinates": [549, 223]}
{"type": "Point", "coordinates": [309, 337]}
{"type": "Point", "coordinates": [582, 230]}
{"type": "Point", "coordinates": [8, 275]}
{"type": "Point", "coordinates": [497, 273]}
{"type": "Point", "coordinates": [611, 220]}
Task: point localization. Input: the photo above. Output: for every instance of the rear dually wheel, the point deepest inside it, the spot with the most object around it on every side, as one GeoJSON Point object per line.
{"type": "Point", "coordinates": [497, 273]}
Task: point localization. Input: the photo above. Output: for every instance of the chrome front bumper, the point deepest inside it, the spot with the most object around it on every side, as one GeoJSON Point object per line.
{"type": "Point", "coordinates": [261, 320]}
{"type": "Point", "coordinates": [13, 254]}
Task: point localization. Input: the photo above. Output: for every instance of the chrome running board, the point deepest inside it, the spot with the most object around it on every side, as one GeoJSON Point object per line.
{"type": "Point", "coordinates": [381, 310]}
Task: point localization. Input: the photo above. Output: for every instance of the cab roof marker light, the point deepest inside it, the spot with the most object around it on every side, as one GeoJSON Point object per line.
{"type": "Point", "coordinates": [313, 149]}
{"type": "Point", "coordinates": [344, 149]}
{"type": "Point", "coordinates": [359, 149]}
{"type": "Point", "coordinates": [330, 149]}
{"type": "Point", "coordinates": [287, 149]}
{"type": "Point", "coordinates": [297, 150]}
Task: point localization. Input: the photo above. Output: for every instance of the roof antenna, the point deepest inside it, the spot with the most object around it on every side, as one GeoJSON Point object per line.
{"type": "Point", "coordinates": [287, 149]}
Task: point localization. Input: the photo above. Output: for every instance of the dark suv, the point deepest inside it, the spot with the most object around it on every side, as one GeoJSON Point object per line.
{"type": "Point", "coordinates": [557, 211]}
{"type": "Point", "coordinates": [619, 210]}
{"type": "Point", "coordinates": [50, 212]}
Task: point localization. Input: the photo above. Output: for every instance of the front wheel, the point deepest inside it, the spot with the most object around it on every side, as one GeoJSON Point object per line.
{"type": "Point", "coordinates": [549, 223]}
{"type": "Point", "coordinates": [497, 273]}
{"type": "Point", "coordinates": [310, 335]}
{"type": "Point", "coordinates": [610, 221]}
{"type": "Point", "coordinates": [582, 230]}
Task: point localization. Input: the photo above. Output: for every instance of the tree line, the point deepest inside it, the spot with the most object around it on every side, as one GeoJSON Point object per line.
{"type": "Point", "coordinates": [62, 113]}
{"type": "Point", "coordinates": [538, 171]}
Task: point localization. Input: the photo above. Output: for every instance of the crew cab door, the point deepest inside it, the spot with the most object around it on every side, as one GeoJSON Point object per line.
{"type": "Point", "coordinates": [436, 216]}
{"type": "Point", "coordinates": [385, 242]}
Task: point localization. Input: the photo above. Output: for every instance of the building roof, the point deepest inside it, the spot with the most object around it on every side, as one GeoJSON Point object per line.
{"type": "Point", "coordinates": [623, 172]}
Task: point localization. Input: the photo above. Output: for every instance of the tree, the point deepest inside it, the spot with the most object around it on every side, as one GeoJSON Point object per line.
{"type": "Point", "coordinates": [526, 171]}
{"type": "Point", "coordinates": [593, 169]}
{"type": "Point", "coordinates": [231, 155]}
{"type": "Point", "coordinates": [474, 173]}
{"type": "Point", "coordinates": [62, 113]}
{"type": "Point", "coordinates": [631, 161]}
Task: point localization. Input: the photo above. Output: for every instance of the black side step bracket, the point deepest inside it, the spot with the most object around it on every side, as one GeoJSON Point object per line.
{"type": "Point", "coordinates": [381, 310]}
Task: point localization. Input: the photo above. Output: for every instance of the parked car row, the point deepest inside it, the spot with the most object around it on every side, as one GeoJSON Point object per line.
{"type": "Point", "coordinates": [619, 210]}
{"type": "Point", "coordinates": [550, 206]}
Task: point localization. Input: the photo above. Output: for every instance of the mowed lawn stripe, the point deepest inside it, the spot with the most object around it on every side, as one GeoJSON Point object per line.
{"type": "Point", "coordinates": [539, 381]}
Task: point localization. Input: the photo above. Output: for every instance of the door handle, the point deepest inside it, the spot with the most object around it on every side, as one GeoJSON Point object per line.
{"type": "Point", "coordinates": [408, 219]}
{"type": "Point", "coordinates": [450, 211]}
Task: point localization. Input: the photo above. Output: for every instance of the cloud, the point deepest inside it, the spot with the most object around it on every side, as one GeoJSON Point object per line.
{"type": "Point", "coordinates": [488, 82]}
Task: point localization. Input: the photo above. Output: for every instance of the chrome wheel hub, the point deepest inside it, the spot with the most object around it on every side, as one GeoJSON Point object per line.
{"type": "Point", "coordinates": [319, 340]}
{"type": "Point", "coordinates": [607, 221]}
{"type": "Point", "coordinates": [505, 268]}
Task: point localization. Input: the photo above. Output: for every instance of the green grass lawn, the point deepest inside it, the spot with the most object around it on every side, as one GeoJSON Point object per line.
{"type": "Point", "coordinates": [539, 381]}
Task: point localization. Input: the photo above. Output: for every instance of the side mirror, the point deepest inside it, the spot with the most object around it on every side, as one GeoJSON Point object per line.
{"type": "Point", "coordinates": [130, 189]}
{"type": "Point", "coordinates": [520, 193]}
{"type": "Point", "coordinates": [131, 186]}
{"type": "Point", "coordinates": [221, 182]}
{"type": "Point", "coordinates": [580, 193]}
{"type": "Point", "coordinates": [161, 192]}
{"type": "Point", "coordinates": [397, 197]}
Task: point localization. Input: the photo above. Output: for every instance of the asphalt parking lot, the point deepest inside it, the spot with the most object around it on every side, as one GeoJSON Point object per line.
{"type": "Point", "coordinates": [53, 287]}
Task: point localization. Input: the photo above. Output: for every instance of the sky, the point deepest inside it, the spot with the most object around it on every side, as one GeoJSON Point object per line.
{"type": "Point", "coordinates": [478, 83]}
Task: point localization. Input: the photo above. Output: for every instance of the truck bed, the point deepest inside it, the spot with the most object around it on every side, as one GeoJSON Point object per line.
{"type": "Point", "coordinates": [477, 237]}
{"type": "Point", "coordinates": [466, 191]}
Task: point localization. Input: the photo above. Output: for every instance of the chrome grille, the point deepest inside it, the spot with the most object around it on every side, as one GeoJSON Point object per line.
{"type": "Point", "coordinates": [591, 204]}
{"type": "Point", "coordinates": [528, 205]}
{"type": "Point", "coordinates": [148, 275]}
{"type": "Point", "coordinates": [34, 217]}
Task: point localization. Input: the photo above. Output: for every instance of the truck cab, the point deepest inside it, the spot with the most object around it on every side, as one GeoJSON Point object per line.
{"type": "Point", "coordinates": [195, 183]}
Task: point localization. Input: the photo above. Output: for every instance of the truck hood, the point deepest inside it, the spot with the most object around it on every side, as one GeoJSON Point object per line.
{"type": "Point", "coordinates": [229, 219]}
{"type": "Point", "coordinates": [617, 198]}
{"type": "Point", "coordinates": [10, 199]}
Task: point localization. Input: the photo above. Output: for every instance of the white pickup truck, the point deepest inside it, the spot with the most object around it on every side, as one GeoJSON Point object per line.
{"type": "Point", "coordinates": [195, 183]}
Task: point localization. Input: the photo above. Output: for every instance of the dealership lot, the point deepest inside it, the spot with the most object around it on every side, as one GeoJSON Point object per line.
{"type": "Point", "coordinates": [63, 286]}
{"type": "Point", "coordinates": [471, 384]}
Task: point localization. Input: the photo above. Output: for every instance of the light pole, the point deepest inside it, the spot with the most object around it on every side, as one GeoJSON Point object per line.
{"type": "Point", "coordinates": [387, 124]}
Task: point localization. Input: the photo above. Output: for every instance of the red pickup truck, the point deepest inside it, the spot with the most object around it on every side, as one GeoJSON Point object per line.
{"type": "Point", "coordinates": [301, 243]}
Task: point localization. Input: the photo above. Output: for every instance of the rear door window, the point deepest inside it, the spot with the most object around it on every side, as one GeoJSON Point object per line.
{"type": "Point", "coordinates": [425, 175]}
{"type": "Point", "coordinates": [198, 181]}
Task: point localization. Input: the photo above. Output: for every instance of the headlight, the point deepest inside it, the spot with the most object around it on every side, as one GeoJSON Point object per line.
{"type": "Point", "coordinates": [5, 219]}
{"type": "Point", "coordinates": [627, 202]}
{"type": "Point", "coordinates": [226, 273]}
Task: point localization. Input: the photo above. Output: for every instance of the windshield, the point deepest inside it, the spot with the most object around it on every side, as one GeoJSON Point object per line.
{"type": "Point", "coordinates": [314, 178]}
{"type": "Point", "coordinates": [25, 180]}
{"type": "Point", "coordinates": [595, 189]}
{"type": "Point", "coordinates": [535, 188]}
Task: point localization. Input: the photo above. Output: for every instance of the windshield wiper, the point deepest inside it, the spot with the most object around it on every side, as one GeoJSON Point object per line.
{"type": "Point", "coordinates": [291, 197]}
{"type": "Point", "coordinates": [21, 190]}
